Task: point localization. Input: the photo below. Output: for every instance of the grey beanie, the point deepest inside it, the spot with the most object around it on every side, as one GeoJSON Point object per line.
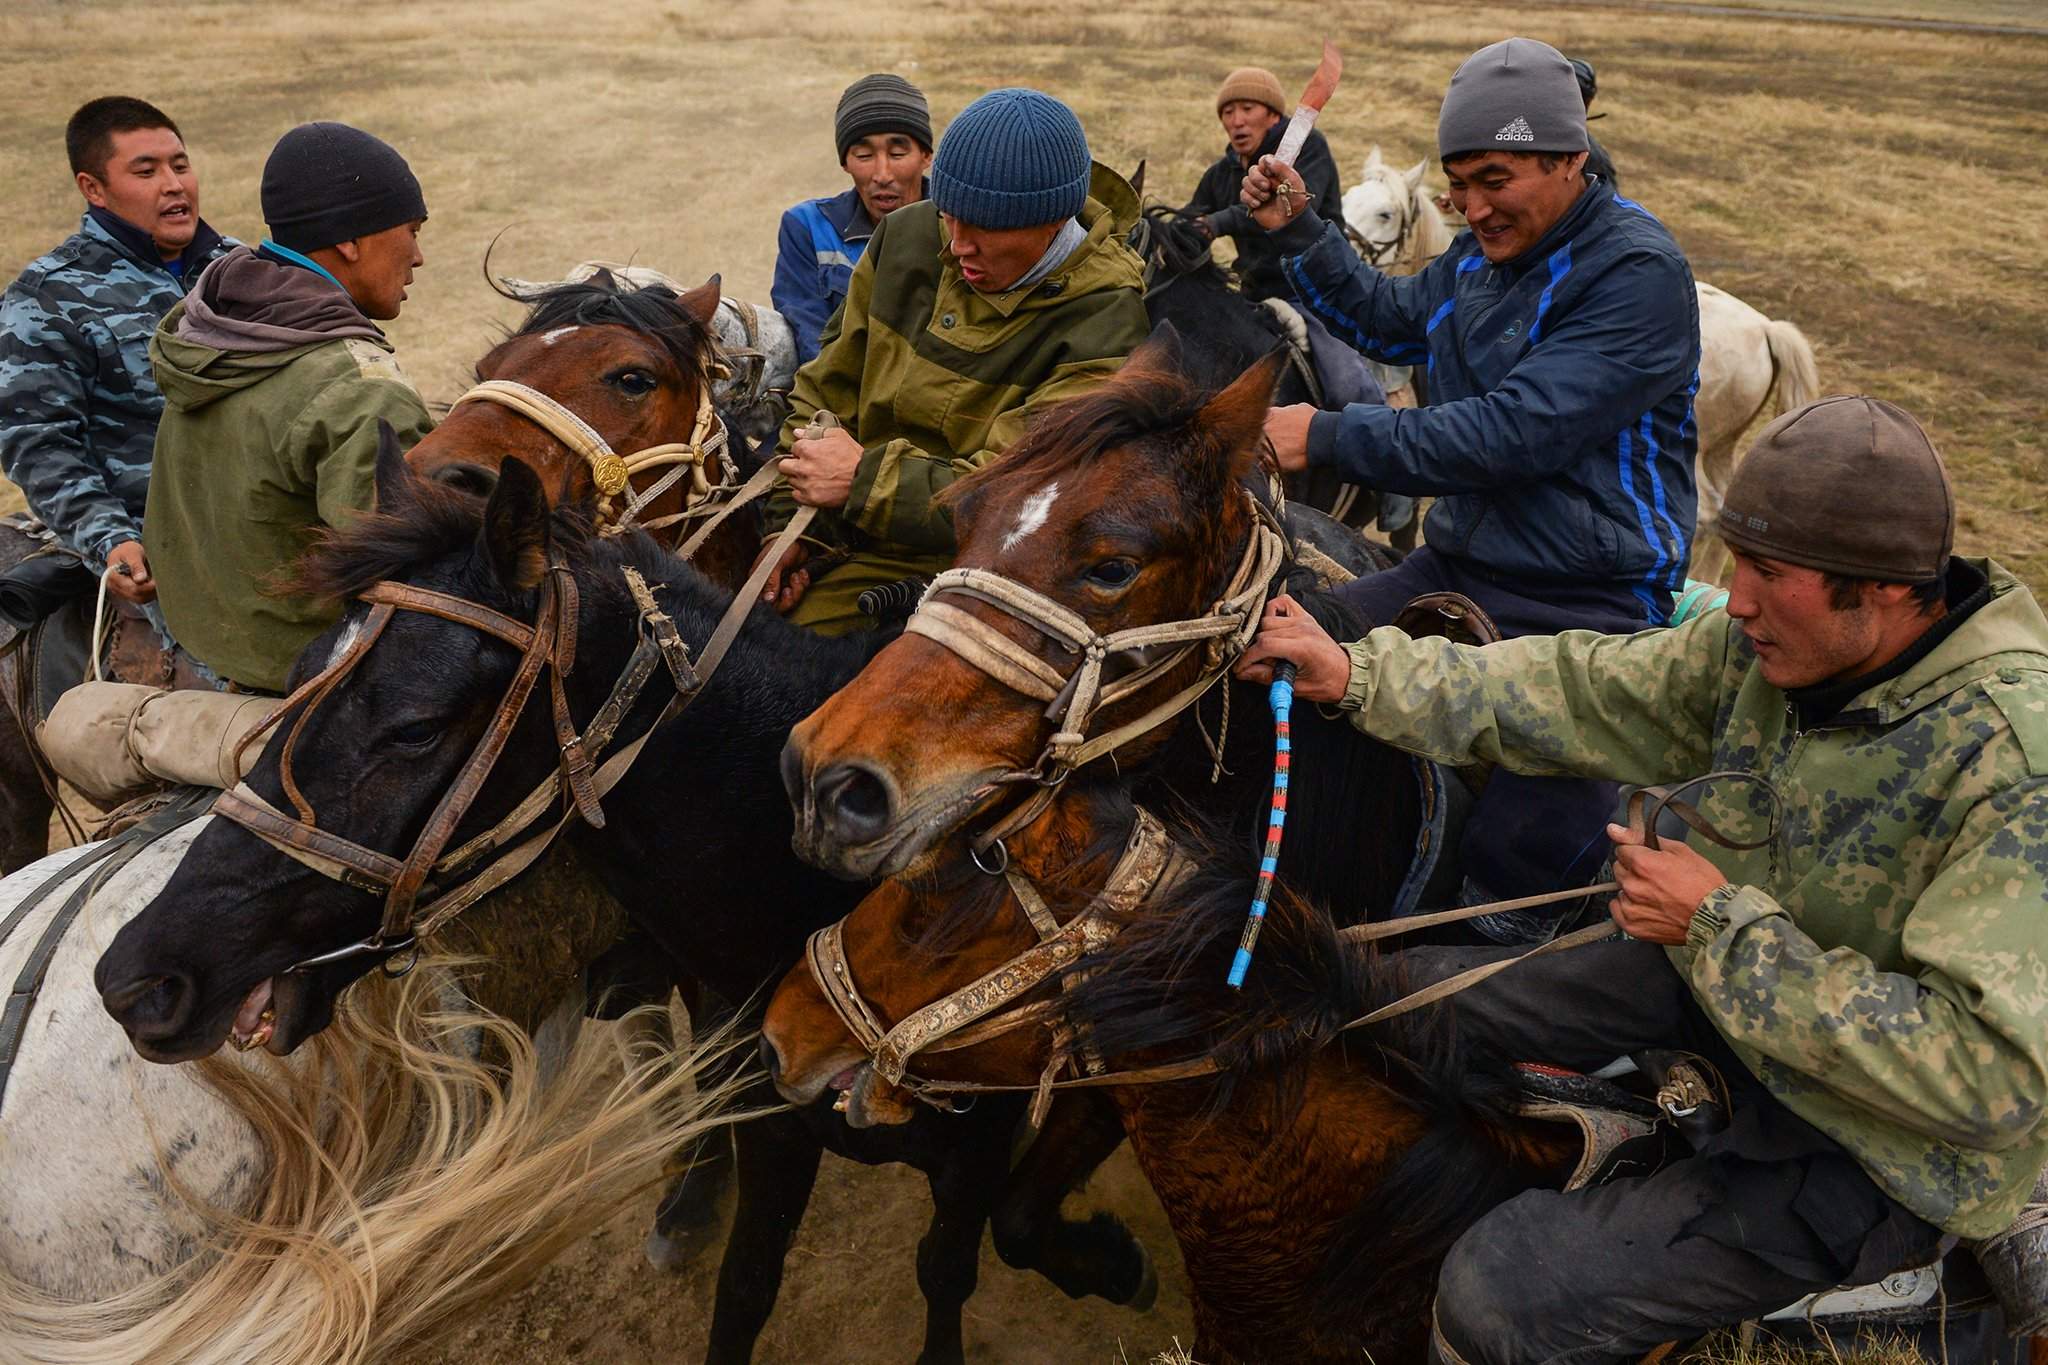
{"type": "Point", "coordinates": [1517, 95]}
{"type": "Point", "coordinates": [881, 103]}
{"type": "Point", "coordinates": [327, 182]}
{"type": "Point", "coordinates": [1013, 158]}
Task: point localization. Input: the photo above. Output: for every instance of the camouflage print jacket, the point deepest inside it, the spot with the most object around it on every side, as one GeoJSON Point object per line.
{"type": "Point", "coordinates": [1884, 967]}
{"type": "Point", "coordinates": [78, 404]}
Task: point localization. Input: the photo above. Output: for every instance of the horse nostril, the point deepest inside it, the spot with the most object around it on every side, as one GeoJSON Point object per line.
{"type": "Point", "coordinates": [470, 478]}
{"type": "Point", "coordinates": [771, 1059]}
{"type": "Point", "coordinates": [853, 802]}
{"type": "Point", "coordinates": [152, 1006]}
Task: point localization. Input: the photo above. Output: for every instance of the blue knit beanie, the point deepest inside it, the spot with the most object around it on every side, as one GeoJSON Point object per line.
{"type": "Point", "coordinates": [1013, 158]}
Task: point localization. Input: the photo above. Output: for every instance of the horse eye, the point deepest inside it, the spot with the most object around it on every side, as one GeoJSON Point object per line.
{"type": "Point", "coordinates": [1113, 573]}
{"type": "Point", "coordinates": [420, 732]}
{"type": "Point", "coordinates": [635, 383]}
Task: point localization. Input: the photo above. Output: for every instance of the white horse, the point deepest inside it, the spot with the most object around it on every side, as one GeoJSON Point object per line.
{"type": "Point", "coordinates": [1394, 225]}
{"type": "Point", "coordinates": [1747, 361]}
{"type": "Point", "coordinates": [408, 1165]}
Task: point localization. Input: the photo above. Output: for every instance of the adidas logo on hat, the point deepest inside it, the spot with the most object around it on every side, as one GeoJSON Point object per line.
{"type": "Point", "coordinates": [1517, 131]}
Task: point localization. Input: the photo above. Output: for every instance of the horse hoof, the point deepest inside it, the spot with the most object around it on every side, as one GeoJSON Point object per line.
{"type": "Point", "coordinates": [675, 1253]}
{"type": "Point", "coordinates": [1147, 1293]}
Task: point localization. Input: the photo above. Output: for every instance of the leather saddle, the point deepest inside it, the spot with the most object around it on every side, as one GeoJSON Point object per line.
{"type": "Point", "coordinates": [1673, 1102]}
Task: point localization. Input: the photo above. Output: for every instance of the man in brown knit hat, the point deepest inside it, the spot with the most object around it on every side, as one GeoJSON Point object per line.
{"type": "Point", "coordinates": [1253, 109]}
{"type": "Point", "coordinates": [1865, 975]}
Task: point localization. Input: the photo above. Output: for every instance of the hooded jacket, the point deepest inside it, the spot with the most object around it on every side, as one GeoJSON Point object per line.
{"type": "Point", "coordinates": [78, 404]}
{"type": "Point", "coordinates": [1559, 436]}
{"type": "Point", "coordinates": [935, 379]}
{"type": "Point", "coordinates": [274, 384]}
{"type": "Point", "coordinates": [1882, 964]}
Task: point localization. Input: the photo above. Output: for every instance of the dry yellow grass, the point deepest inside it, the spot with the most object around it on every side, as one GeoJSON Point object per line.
{"type": "Point", "coordinates": [1879, 186]}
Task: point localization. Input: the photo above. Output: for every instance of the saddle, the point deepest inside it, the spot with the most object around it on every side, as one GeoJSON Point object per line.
{"type": "Point", "coordinates": [56, 655]}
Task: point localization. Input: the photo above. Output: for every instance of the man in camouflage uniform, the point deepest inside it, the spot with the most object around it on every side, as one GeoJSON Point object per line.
{"type": "Point", "coordinates": [1873, 982]}
{"type": "Point", "coordinates": [78, 405]}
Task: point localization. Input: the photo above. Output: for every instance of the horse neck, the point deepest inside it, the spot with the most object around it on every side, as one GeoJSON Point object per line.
{"type": "Point", "coordinates": [1428, 238]}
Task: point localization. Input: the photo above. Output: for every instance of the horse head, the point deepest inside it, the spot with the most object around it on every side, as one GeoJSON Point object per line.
{"type": "Point", "coordinates": [1385, 207]}
{"type": "Point", "coordinates": [1119, 509]}
{"type": "Point", "coordinates": [385, 746]}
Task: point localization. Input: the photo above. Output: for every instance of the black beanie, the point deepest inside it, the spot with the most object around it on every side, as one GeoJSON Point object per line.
{"type": "Point", "coordinates": [327, 182]}
{"type": "Point", "coordinates": [881, 103]}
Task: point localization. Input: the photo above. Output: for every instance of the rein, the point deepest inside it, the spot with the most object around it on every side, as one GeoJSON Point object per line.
{"type": "Point", "coordinates": [696, 459]}
{"type": "Point", "coordinates": [1073, 696]}
{"type": "Point", "coordinates": [1380, 255]}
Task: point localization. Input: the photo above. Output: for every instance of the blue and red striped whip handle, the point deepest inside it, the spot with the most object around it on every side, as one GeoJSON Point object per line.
{"type": "Point", "coordinates": [1281, 699]}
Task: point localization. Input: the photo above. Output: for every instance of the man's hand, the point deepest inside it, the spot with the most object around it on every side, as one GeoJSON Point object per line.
{"type": "Point", "coordinates": [1287, 429]}
{"type": "Point", "coordinates": [1206, 228]}
{"type": "Point", "coordinates": [1287, 632]}
{"type": "Point", "coordinates": [788, 580]}
{"type": "Point", "coordinates": [129, 578]}
{"type": "Point", "coordinates": [820, 469]}
{"type": "Point", "coordinates": [1275, 194]}
{"type": "Point", "coordinates": [1660, 888]}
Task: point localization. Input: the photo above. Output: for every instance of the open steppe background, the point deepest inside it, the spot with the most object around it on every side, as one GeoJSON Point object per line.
{"type": "Point", "coordinates": [1882, 186]}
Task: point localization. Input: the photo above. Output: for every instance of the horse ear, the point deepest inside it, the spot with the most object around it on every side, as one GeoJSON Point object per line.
{"type": "Point", "coordinates": [1235, 419]}
{"type": "Point", "coordinates": [515, 535]}
{"type": "Point", "coordinates": [394, 477]}
{"type": "Point", "coordinates": [1138, 179]}
{"type": "Point", "coordinates": [1158, 353]}
{"type": "Point", "coordinates": [701, 303]}
{"type": "Point", "coordinates": [1373, 160]}
{"type": "Point", "coordinates": [1413, 175]}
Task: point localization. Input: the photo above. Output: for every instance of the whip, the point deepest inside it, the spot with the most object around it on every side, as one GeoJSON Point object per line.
{"type": "Point", "coordinates": [1281, 698]}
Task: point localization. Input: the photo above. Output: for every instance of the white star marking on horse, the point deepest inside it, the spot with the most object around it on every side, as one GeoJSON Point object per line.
{"type": "Point", "coordinates": [550, 338]}
{"type": "Point", "coordinates": [1032, 515]}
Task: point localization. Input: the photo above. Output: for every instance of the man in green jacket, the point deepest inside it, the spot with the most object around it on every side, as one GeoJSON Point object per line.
{"type": "Point", "coordinates": [1872, 981]}
{"type": "Point", "coordinates": [1010, 288]}
{"type": "Point", "coordinates": [276, 379]}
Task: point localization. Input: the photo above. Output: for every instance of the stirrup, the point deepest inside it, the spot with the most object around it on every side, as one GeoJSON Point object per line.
{"type": "Point", "coordinates": [1451, 615]}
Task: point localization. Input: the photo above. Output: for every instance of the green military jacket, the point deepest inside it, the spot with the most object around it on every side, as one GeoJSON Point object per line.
{"type": "Point", "coordinates": [1884, 967]}
{"type": "Point", "coordinates": [935, 379]}
{"type": "Point", "coordinates": [255, 454]}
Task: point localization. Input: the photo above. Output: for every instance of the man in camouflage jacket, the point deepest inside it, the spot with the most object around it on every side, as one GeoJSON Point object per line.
{"type": "Point", "coordinates": [78, 405]}
{"type": "Point", "coordinates": [1009, 289]}
{"type": "Point", "coordinates": [1873, 981]}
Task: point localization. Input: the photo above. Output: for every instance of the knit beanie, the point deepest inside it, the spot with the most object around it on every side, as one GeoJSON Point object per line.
{"type": "Point", "coordinates": [1013, 158]}
{"type": "Point", "coordinates": [327, 182]}
{"type": "Point", "coordinates": [881, 103]}
{"type": "Point", "coordinates": [1850, 486]}
{"type": "Point", "coordinates": [1253, 83]}
{"type": "Point", "coordinates": [1518, 95]}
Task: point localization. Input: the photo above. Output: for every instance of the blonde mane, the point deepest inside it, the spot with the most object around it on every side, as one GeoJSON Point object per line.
{"type": "Point", "coordinates": [420, 1169]}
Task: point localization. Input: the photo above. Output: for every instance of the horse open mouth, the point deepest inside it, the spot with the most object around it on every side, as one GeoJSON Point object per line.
{"type": "Point", "coordinates": [271, 1016]}
{"type": "Point", "coordinates": [868, 1101]}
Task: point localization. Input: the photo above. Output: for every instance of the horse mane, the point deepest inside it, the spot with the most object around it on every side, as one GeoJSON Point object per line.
{"type": "Point", "coordinates": [652, 310]}
{"type": "Point", "coordinates": [1183, 250]}
{"type": "Point", "coordinates": [1157, 990]}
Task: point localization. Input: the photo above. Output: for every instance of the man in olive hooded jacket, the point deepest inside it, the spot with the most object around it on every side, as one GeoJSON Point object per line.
{"type": "Point", "coordinates": [276, 379]}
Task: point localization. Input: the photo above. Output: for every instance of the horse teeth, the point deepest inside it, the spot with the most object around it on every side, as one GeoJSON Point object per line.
{"type": "Point", "coordinates": [839, 1105]}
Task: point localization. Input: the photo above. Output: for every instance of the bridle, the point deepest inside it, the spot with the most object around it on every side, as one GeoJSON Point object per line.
{"type": "Point", "coordinates": [1075, 695]}
{"type": "Point", "coordinates": [1381, 254]}
{"type": "Point", "coordinates": [703, 459]}
{"type": "Point", "coordinates": [989, 1006]}
{"type": "Point", "coordinates": [492, 858]}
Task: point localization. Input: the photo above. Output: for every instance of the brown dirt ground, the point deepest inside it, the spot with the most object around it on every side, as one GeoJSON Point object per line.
{"type": "Point", "coordinates": [1878, 186]}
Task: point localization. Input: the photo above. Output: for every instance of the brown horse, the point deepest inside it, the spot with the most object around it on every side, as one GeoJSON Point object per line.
{"type": "Point", "coordinates": [1314, 1181]}
{"type": "Point", "coordinates": [633, 364]}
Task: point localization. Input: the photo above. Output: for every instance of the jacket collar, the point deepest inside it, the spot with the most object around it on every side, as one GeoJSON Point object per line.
{"type": "Point", "coordinates": [849, 217]}
{"type": "Point", "coordinates": [1090, 267]}
{"type": "Point", "coordinates": [132, 242]}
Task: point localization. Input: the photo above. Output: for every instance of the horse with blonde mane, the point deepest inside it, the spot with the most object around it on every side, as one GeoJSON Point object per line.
{"type": "Point", "coordinates": [425, 1157]}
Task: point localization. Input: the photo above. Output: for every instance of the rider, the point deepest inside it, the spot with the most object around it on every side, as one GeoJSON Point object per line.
{"type": "Point", "coordinates": [1011, 288]}
{"type": "Point", "coordinates": [1562, 337]}
{"type": "Point", "coordinates": [277, 380]}
{"type": "Point", "coordinates": [1253, 110]}
{"type": "Point", "coordinates": [78, 405]}
{"type": "Point", "coordinates": [883, 130]}
{"type": "Point", "coordinates": [1598, 162]}
{"type": "Point", "coordinates": [1867, 981]}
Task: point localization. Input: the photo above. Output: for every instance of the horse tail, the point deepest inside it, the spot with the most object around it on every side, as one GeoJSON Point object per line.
{"type": "Point", "coordinates": [419, 1169]}
{"type": "Point", "coordinates": [1796, 380]}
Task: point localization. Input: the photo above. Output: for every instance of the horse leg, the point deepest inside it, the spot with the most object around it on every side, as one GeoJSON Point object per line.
{"type": "Point", "coordinates": [693, 1211]}
{"type": "Point", "coordinates": [1098, 1256]}
{"type": "Point", "coordinates": [949, 1254]}
{"type": "Point", "coordinates": [778, 1163]}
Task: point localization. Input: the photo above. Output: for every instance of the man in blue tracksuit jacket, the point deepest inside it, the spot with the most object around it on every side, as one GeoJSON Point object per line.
{"type": "Point", "coordinates": [883, 130]}
{"type": "Point", "coordinates": [1561, 335]}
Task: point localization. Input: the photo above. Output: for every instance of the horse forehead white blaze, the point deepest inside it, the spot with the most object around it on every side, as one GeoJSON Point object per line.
{"type": "Point", "coordinates": [1032, 515]}
{"type": "Point", "coordinates": [350, 633]}
{"type": "Point", "coordinates": [551, 337]}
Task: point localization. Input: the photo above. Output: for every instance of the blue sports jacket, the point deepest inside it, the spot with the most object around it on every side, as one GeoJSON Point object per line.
{"type": "Point", "coordinates": [820, 243]}
{"type": "Point", "coordinates": [1559, 435]}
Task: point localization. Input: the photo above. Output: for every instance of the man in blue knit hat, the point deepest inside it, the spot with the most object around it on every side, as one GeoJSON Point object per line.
{"type": "Point", "coordinates": [1010, 288]}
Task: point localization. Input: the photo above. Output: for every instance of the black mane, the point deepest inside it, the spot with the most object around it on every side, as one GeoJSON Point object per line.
{"type": "Point", "coordinates": [1181, 248]}
{"type": "Point", "coordinates": [653, 311]}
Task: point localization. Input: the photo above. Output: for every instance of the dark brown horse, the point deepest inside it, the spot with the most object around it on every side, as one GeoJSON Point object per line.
{"type": "Point", "coordinates": [1315, 1180]}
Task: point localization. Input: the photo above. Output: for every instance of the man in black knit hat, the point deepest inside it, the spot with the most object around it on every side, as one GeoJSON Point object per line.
{"type": "Point", "coordinates": [276, 380]}
{"type": "Point", "coordinates": [883, 134]}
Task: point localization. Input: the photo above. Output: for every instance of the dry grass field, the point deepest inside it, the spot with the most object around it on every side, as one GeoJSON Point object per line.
{"type": "Point", "coordinates": [1881, 186]}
